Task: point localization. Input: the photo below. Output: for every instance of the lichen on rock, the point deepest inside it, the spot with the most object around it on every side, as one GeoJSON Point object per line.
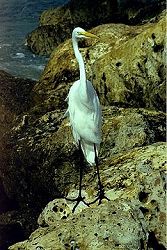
{"type": "Point", "coordinates": [126, 64]}
{"type": "Point", "coordinates": [40, 160]}
{"type": "Point", "coordinates": [135, 185]}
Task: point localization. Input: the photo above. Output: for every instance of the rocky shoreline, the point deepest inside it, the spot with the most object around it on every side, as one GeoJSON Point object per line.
{"type": "Point", "coordinates": [40, 162]}
{"type": "Point", "coordinates": [83, 13]}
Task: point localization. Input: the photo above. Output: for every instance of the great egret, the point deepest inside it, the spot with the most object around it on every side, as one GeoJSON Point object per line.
{"type": "Point", "coordinates": [84, 112]}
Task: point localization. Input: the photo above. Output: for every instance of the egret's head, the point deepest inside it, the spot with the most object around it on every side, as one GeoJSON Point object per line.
{"type": "Point", "coordinates": [79, 33]}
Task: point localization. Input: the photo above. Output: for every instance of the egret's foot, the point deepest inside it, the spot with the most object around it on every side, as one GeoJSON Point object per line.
{"type": "Point", "coordinates": [78, 200]}
{"type": "Point", "coordinates": [100, 196]}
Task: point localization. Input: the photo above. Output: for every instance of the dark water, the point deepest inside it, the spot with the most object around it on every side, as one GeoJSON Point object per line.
{"type": "Point", "coordinates": [17, 18]}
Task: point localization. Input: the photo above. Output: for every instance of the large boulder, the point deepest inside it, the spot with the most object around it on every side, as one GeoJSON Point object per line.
{"type": "Point", "coordinates": [133, 219]}
{"type": "Point", "coordinates": [132, 73]}
{"type": "Point", "coordinates": [126, 64]}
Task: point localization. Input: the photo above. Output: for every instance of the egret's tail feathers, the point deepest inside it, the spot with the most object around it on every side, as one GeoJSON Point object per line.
{"type": "Point", "coordinates": [89, 153]}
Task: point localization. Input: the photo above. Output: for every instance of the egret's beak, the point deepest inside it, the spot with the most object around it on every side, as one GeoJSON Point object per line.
{"type": "Point", "coordinates": [88, 34]}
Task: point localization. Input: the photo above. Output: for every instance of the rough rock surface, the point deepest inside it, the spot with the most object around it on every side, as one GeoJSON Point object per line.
{"type": "Point", "coordinates": [126, 64]}
{"type": "Point", "coordinates": [133, 73]}
{"type": "Point", "coordinates": [14, 100]}
{"type": "Point", "coordinates": [40, 161]}
{"type": "Point", "coordinates": [44, 39]}
{"type": "Point", "coordinates": [63, 19]}
{"type": "Point", "coordinates": [83, 13]}
{"type": "Point", "coordinates": [133, 219]}
{"type": "Point", "coordinates": [44, 166]}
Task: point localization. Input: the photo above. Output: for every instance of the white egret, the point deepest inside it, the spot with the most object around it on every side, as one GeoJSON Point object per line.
{"type": "Point", "coordinates": [84, 112]}
{"type": "Point", "coordinates": [83, 106]}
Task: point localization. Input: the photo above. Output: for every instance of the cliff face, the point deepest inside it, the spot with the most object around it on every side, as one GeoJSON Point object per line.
{"type": "Point", "coordinates": [87, 14]}
{"type": "Point", "coordinates": [126, 66]}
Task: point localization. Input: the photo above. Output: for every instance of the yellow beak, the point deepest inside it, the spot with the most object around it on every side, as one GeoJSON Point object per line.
{"type": "Point", "coordinates": [88, 34]}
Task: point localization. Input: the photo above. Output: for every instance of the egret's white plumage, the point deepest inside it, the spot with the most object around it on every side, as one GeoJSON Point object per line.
{"type": "Point", "coordinates": [83, 106]}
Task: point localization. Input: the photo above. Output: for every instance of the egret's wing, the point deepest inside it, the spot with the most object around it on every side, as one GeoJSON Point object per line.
{"type": "Point", "coordinates": [95, 103]}
{"type": "Point", "coordinates": [71, 99]}
{"type": "Point", "coordinates": [97, 110]}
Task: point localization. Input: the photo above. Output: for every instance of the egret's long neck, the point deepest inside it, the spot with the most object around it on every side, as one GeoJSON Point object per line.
{"type": "Point", "coordinates": [83, 85]}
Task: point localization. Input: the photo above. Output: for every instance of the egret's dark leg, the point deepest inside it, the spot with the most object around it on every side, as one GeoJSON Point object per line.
{"type": "Point", "coordinates": [80, 168]}
{"type": "Point", "coordinates": [80, 197]}
{"type": "Point", "coordinates": [100, 195]}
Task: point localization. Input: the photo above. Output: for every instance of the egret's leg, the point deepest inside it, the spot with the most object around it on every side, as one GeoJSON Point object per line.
{"type": "Point", "coordinates": [80, 168]}
{"type": "Point", "coordinates": [80, 197]}
{"type": "Point", "coordinates": [101, 194]}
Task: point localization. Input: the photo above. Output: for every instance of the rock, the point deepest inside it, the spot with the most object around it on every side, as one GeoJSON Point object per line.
{"type": "Point", "coordinates": [126, 65]}
{"type": "Point", "coordinates": [53, 16]}
{"type": "Point", "coordinates": [45, 166]}
{"type": "Point", "coordinates": [14, 101]}
{"type": "Point", "coordinates": [9, 234]}
{"type": "Point", "coordinates": [135, 184]}
{"type": "Point", "coordinates": [133, 72]}
{"type": "Point", "coordinates": [14, 92]}
{"type": "Point", "coordinates": [136, 12]}
{"type": "Point", "coordinates": [83, 12]}
{"type": "Point", "coordinates": [45, 38]}
{"type": "Point", "coordinates": [39, 161]}
{"type": "Point", "coordinates": [124, 129]}
{"type": "Point", "coordinates": [16, 225]}
{"type": "Point", "coordinates": [57, 24]}
{"type": "Point", "coordinates": [101, 234]}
